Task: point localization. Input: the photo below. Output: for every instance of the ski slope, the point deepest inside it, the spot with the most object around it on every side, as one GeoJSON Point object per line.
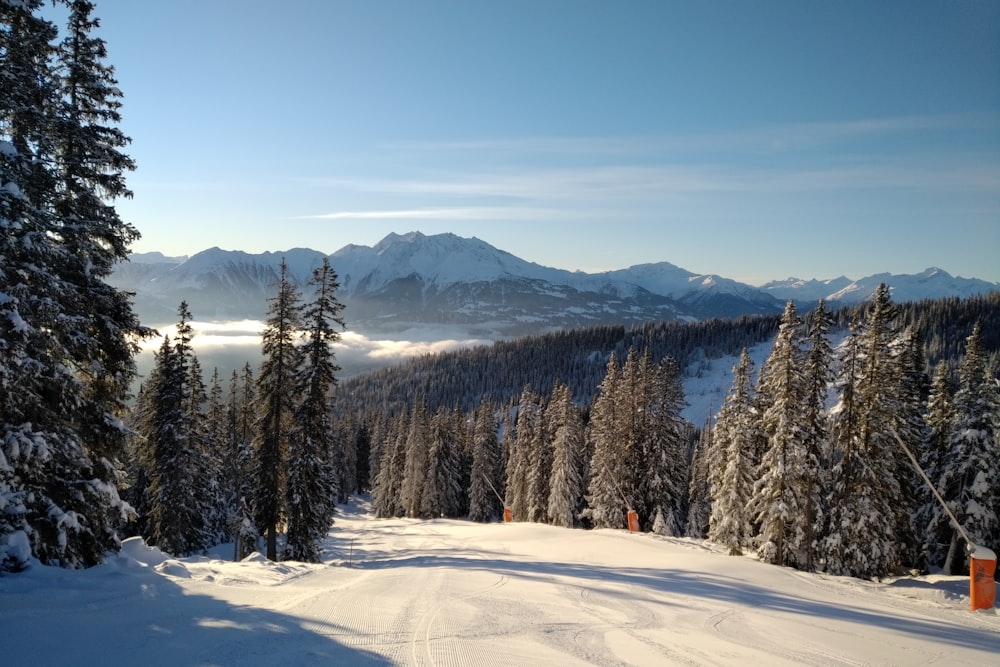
{"type": "Point", "coordinates": [443, 592]}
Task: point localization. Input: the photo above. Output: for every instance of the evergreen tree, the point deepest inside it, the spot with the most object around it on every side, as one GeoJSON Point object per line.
{"type": "Point", "coordinates": [519, 460]}
{"type": "Point", "coordinates": [912, 392]}
{"type": "Point", "coordinates": [970, 474]}
{"type": "Point", "coordinates": [362, 453]}
{"type": "Point", "coordinates": [662, 472]}
{"type": "Point", "coordinates": [632, 426]}
{"type": "Point", "coordinates": [411, 491]}
{"type": "Point", "coordinates": [183, 499]}
{"type": "Point", "coordinates": [777, 503]}
{"type": "Point", "coordinates": [605, 508]}
{"type": "Point", "coordinates": [68, 338]}
{"type": "Point", "coordinates": [387, 489]}
{"type": "Point", "coordinates": [217, 428]}
{"type": "Point", "coordinates": [939, 418]}
{"type": "Point", "coordinates": [484, 483]}
{"type": "Point", "coordinates": [861, 538]}
{"type": "Point", "coordinates": [442, 485]}
{"type": "Point", "coordinates": [734, 434]}
{"type": "Point", "coordinates": [237, 464]}
{"type": "Point", "coordinates": [566, 487]}
{"type": "Point", "coordinates": [539, 464]}
{"type": "Point", "coordinates": [810, 477]}
{"type": "Point", "coordinates": [276, 394]}
{"type": "Point", "coordinates": [699, 490]}
{"type": "Point", "coordinates": [311, 487]}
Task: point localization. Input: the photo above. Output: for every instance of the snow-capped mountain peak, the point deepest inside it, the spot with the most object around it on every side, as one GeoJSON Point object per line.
{"type": "Point", "coordinates": [415, 278]}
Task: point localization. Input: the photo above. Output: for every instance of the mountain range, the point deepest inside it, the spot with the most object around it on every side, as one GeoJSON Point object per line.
{"type": "Point", "coordinates": [412, 280]}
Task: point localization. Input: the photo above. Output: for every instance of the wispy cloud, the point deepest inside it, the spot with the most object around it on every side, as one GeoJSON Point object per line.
{"type": "Point", "coordinates": [546, 191]}
{"type": "Point", "coordinates": [776, 137]}
{"type": "Point", "coordinates": [445, 213]}
{"type": "Point", "coordinates": [563, 178]}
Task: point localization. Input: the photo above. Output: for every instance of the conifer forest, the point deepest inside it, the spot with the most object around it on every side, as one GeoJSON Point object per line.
{"type": "Point", "coordinates": [806, 463]}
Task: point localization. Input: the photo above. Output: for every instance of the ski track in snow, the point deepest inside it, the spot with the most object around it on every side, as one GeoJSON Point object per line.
{"type": "Point", "coordinates": [442, 593]}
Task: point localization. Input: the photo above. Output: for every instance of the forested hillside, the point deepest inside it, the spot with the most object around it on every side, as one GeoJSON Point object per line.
{"type": "Point", "coordinates": [779, 472]}
{"type": "Point", "coordinates": [577, 357]}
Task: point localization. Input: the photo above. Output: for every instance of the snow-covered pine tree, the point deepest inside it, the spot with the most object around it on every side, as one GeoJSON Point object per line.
{"type": "Point", "coordinates": [912, 391]}
{"type": "Point", "coordinates": [160, 451]}
{"type": "Point", "coordinates": [411, 490]}
{"type": "Point", "coordinates": [217, 429]}
{"type": "Point", "coordinates": [970, 472]}
{"type": "Point", "coordinates": [183, 501]}
{"type": "Point", "coordinates": [462, 426]}
{"type": "Point", "coordinates": [811, 476]}
{"type": "Point", "coordinates": [66, 362]}
{"type": "Point", "coordinates": [378, 444]}
{"type": "Point", "coordinates": [387, 488]}
{"type": "Point", "coordinates": [484, 483]}
{"type": "Point", "coordinates": [699, 498]}
{"type": "Point", "coordinates": [206, 496]}
{"type": "Point", "coordinates": [139, 463]}
{"type": "Point", "coordinates": [276, 398]}
{"type": "Point", "coordinates": [442, 487]}
{"type": "Point", "coordinates": [606, 508]}
{"type": "Point", "coordinates": [566, 486]}
{"type": "Point", "coordinates": [519, 460]}
{"type": "Point", "coordinates": [635, 394]}
{"type": "Point", "coordinates": [731, 489]}
{"type": "Point", "coordinates": [237, 464]}
{"type": "Point", "coordinates": [860, 540]}
{"type": "Point", "coordinates": [663, 474]}
{"type": "Point", "coordinates": [312, 483]}
{"type": "Point", "coordinates": [937, 530]}
{"type": "Point", "coordinates": [540, 463]}
{"type": "Point", "coordinates": [776, 502]}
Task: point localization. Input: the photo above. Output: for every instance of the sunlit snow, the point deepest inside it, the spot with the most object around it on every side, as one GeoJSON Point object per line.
{"type": "Point", "coordinates": [446, 592]}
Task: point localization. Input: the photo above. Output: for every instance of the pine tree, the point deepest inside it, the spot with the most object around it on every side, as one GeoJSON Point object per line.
{"type": "Point", "coordinates": [484, 483]}
{"type": "Point", "coordinates": [66, 360]}
{"type": "Point", "coordinates": [183, 500]}
{"type": "Point", "coordinates": [245, 528]}
{"type": "Point", "coordinates": [539, 464]}
{"type": "Point", "coordinates": [732, 488]}
{"type": "Point", "coordinates": [910, 426]}
{"type": "Point", "coordinates": [519, 460]}
{"type": "Point", "coordinates": [411, 491]}
{"type": "Point", "coordinates": [699, 490]}
{"type": "Point", "coordinates": [811, 475]}
{"type": "Point", "coordinates": [662, 472]}
{"type": "Point", "coordinates": [939, 418]}
{"type": "Point", "coordinates": [237, 467]}
{"type": "Point", "coordinates": [635, 394]}
{"type": "Point", "coordinates": [566, 487]}
{"type": "Point", "coordinates": [217, 429]}
{"type": "Point", "coordinates": [442, 485]}
{"type": "Point", "coordinates": [276, 394]}
{"type": "Point", "coordinates": [605, 504]}
{"type": "Point", "coordinates": [970, 474]}
{"type": "Point", "coordinates": [860, 540]}
{"type": "Point", "coordinates": [776, 502]}
{"type": "Point", "coordinates": [387, 489]}
{"type": "Point", "coordinates": [311, 487]}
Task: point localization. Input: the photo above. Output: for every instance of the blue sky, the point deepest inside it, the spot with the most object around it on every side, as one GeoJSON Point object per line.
{"type": "Point", "coordinates": [757, 140]}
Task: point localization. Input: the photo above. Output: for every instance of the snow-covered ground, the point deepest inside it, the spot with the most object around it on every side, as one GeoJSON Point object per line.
{"type": "Point", "coordinates": [444, 592]}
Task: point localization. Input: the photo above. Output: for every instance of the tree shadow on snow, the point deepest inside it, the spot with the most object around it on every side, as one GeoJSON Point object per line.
{"type": "Point", "coordinates": [110, 615]}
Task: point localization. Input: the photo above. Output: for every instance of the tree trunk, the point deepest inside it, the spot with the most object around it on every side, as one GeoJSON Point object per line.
{"type": "Point", "coordinates": [272, 542]}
